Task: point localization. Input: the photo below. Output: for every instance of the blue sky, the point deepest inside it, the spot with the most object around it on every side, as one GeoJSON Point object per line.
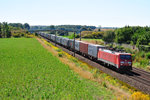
{"type": "Point", "coordinates": [114, 13]}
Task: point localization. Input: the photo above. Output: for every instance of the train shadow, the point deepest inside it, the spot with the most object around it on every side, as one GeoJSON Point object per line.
{"type": "Point", "coordinates": [131, 73]}
{"type": "Point", "coordinates": [125, 72]}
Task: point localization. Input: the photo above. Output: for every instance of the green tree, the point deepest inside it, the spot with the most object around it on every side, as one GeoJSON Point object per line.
{"type": "Point", "coordinates": [109, 36]}
{"type": "Point", "coordinates": [99, 29]}
{"type": "Point", "coordinates": [144, 39]}
{"type": "Point", "coordinates": [3, 30]}
{"type": "Point", "coordinates": [6, 30]}
{"type": "Point", "coordinates": [123, 35]}
{"type": "Point", "coordinates": [52, 27]}
{"type": "Point", "coordinates": [26, 26]}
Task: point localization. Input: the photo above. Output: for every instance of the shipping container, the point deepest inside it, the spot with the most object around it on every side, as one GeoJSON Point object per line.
{"type": "Point", "coordinates": [84, 47]}
{"type": "Point", "coordinates": [93, 49]}
{"type": "Point", "coordinates": [45, 35]}
{"type": "Point", "coordinates": [58, 39]}
{"type": "Point", "coordinates": [42, 34]}
{"type": "Point", "coordinates": [71, 43]}
{"type": "Point", "coordinates": [48, 36]}
{"type": "Point", "coordinates": [61, 38]}
{"type": "Point", "coordinates": [77, 45]}
{"type": "Point", "coordinates": [53, 37]}
{"type": "Point", "coordinates": [65, 42]}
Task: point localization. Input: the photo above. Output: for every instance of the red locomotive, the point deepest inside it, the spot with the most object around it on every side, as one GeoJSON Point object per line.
{"type": "Point", "coordinates": [122, 61]}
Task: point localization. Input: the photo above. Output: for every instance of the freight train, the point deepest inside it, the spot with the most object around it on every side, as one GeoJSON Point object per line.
{"type": "Point", "coordinates": [118, 60]}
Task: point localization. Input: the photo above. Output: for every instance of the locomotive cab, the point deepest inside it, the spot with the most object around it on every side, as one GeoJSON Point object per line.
{"type": "Point", "coordinates": [125, 61]}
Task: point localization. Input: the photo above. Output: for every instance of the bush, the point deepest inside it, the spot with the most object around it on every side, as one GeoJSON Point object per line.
{"type": "Point", "coordinates": [60, 54]}
{"type": "Point", "coordinates": [119, 47]}
{"type": "Point", "coordinates": [139, 96]}
{"type": "Point", "coordinates": [90, 34]}
{"type": "Point", "coordinates": [133, 56]}
{"type": "Point", "coordinates": [128, 50]}
{"type": "Point", "coordinates": [144, 62]}
{"type": "Point", "coordinates": [16, 35]}
{"type": "Point", "coordinates": [142, 54]}
{"type": "Point", "coordinates": [148, 55]}
{"type": "Point", "coordinates": [104, 84]}
{"type": "Point", "coordinates": [110, 45]}
{"type": "Point", "coordinates": [72, 36]}
{"type": "Point", "coordinates": [58, 50]}
{"type": "Point", "coordinates": [144, 48]}
{"type": "Point", "coordinates": [29, 36]}
{"type": "Point", "coordinates": [36, 34]}
{"type": "Point", "coordinates": [109, 36]}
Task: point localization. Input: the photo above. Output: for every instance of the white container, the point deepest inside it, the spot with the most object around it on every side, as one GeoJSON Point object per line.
{"type": "Point", "coordinates": [58, 39]}
{"type": "Point", "coordinates": [53, 37]}
{"type": "Point", "coordinates": [48, 36]}
{"type": "Point", "coordinates": [65, 42]}
{"type": "Point", "coordinates": [93, 49]}
{"type": "Point", "coordinates": [77, 45]}
{"type": "Point", "coordinates": [71, 43]}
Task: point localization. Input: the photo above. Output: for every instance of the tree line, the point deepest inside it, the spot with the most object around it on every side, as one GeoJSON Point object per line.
{"type": "Point", "coordinates": [20, 25]}
{"type": "Point", "coordinates": [129, 34]}
{"type": "Point", "coordinates": [135, 35]}
{"type": "Point", "coordinates": [11, 29]}
{"type": "Point", "coordinates": [64, 27]}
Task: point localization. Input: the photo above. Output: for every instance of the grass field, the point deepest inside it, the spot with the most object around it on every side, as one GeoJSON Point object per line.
{"type": "Point", "coordinates": [94, 41]}
{"type": "Point", "coordinates": [29, 71]}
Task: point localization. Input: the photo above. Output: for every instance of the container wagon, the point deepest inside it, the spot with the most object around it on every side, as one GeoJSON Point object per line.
{"type": "Point", "coordinates": [65, 42]}
{"type": "Point", "coordinates": [93, 50]}
{"type": "Point", "coordinates": [77, 45]}
{"type": "Point", "coordinates": [53, 37]}
{"type": "Point", "coordinates": [84, 48]}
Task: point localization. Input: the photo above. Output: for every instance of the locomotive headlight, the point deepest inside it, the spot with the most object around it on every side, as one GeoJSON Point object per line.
{"type": "Point", "coordinates": [129, 62]}
{"type": "Point", "coordinates": [122, 62]}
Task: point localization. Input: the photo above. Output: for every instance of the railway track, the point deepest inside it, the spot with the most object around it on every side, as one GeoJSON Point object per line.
{"type": "Point", "coordinates": [137, 78]}
{"type": "Point", "coordinates": [141, 74]}
{"type": "Point", "coordinates": [145, 73]}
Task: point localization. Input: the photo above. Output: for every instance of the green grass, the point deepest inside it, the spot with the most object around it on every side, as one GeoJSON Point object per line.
{"type": "Point", "coordinates": [29, 71]}
{"type": "Point", "coordinates": [66, 36]}
{"type": "Point", "coordinates": [92, 39]}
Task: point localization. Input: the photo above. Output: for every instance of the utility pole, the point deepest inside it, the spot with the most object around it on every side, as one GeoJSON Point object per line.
{"type": "Point", "coordinates": [74, 45]}
{"type": "Point", "coordinates": [80, 35]}
{"type": "Point", "coordinates": [55, 38]}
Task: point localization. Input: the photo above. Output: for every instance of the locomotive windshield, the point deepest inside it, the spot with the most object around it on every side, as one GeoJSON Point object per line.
{"type": "Point", "coordinates": [127, 57]}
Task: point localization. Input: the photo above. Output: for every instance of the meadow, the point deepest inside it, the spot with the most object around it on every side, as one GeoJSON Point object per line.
{"type": "Point", "coordinates": [29, 71]}
{"type": "Point", "coordinates": [94, 41]}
